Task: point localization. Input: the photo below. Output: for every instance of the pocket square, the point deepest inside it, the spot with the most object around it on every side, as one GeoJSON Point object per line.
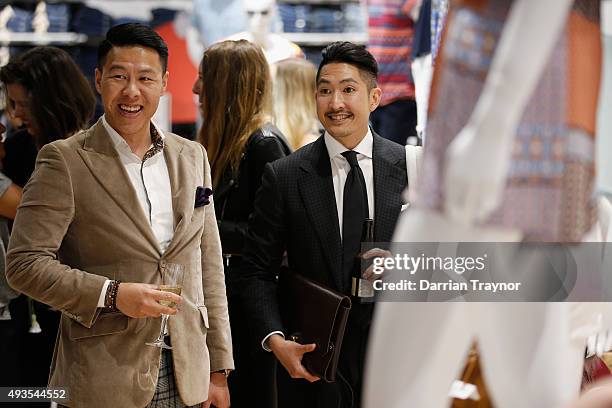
{"type": "Point", "coordinates": [405, 207]}
{"type": "Point", "coordinates": [202, 196]}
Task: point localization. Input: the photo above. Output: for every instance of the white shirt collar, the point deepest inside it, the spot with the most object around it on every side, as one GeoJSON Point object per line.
{"type": "Point", "coordinates": [118, 141]}
{"type": "Point", "coordinates": [335, 148]}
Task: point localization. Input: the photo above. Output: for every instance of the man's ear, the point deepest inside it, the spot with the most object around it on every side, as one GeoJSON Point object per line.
{"type": "Point", "coordinates": [375, 95]}
{"type": "Point", "coordinates": [165, 81]}
{"type": "Point", "coordinates": [99, 81]}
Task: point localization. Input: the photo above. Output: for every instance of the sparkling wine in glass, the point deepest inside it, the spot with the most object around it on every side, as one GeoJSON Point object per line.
{"type": "Point", "coordinates": [172, 278]}
{"type": "Point", "coordinates": [172, 289]}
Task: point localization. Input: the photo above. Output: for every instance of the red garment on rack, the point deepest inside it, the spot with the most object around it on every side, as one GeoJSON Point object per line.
{"type": "Point", "coordinates": [183, 74]}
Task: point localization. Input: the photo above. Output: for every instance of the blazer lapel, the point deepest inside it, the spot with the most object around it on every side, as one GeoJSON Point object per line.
{"type": "Point", "coordinates": [390, 180]}
{"type": "Point", "coordinates": [182, 184]}
{"type": "Point", "coordinates": [102, 159]}
{"type": "Point", "coordinates": [317, 192]}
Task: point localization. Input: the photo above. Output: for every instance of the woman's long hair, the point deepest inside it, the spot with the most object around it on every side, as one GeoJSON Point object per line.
{"type": "Point", "coordinates": [294, 100]}
{"type": "Point", "coordinates": [62, 101]}
{"type": "Point", "coordinates": [236, 101]}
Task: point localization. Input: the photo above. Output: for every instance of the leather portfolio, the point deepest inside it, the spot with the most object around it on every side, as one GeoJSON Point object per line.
{"type": "Point", "coordinates": [313, 313]}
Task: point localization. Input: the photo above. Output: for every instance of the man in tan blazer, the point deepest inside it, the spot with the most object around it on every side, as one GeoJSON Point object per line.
{"type": "Point", "coordinates": [104, 214]}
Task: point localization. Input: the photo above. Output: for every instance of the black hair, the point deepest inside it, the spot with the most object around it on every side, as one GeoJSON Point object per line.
{"type": "Point", "coordinates": [61, 99]}
{"type": "Point", "coordinates": [133, 35]}
{"type": "Point", "coordinates": [353, 54]}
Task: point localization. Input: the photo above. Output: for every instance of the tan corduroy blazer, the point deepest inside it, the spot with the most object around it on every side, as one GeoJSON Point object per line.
{"type": "Point", "coordinates": [80, 223]}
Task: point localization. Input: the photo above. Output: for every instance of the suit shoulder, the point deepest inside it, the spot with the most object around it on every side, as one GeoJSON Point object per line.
{"type": "Point", "coordinates": [396, 148]}
{"type": "Point", "coordinates": [179, 139]}
{"type": "Point", "coordinates": [67, 146]}
{"type": "Point", "coordinates": [391, 151]}
{"type": "Point", "coordinates": [293, 161]}
{"type": "Point", "coordinates": [183, 143]}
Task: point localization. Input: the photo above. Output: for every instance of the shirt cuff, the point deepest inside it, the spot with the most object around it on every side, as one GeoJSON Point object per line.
{"type": "Point", "coordinates": [264, 342]}
{"type": "Point", "coordinates": [103, 293]}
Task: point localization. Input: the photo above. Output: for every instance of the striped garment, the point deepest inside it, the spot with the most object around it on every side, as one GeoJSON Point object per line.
{"type": "Point", "coordinates": [391, 32]}
{"type": "Point", "coordinates": [549, 187]}
{"type": "Point", "coordinates": [166, 394]}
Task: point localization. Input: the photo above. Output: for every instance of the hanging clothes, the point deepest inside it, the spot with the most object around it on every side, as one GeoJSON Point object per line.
{"type": "Point", "coordinates": [549, 188]}
{"type": "Point", "coordinates": [183, 73]}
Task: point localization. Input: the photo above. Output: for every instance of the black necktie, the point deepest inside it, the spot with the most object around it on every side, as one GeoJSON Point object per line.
{"type": "Point", "coordinates": [354, 212]}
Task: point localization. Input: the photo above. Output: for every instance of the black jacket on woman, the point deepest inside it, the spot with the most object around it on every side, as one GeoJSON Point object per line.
{"type": "Point", "coordinates": [235, 195]}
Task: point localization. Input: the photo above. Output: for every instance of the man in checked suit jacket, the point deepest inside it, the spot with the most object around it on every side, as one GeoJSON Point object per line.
{"type": "Point", "coordinates": [300, 209]}
{"type": "Point", "coordinates": [118, 203]}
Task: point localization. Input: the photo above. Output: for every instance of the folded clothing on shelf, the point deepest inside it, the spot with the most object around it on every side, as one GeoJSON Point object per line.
{"type": "Point", "coordinates": [161, 16]}
{"type": "Point", "coordinates": [91, 21]}
{"type": "Point", "coordinates": [59, 18]}
{"type": "Point", "coordinates": [333, 18]}
{"type": "Point", "coordinates": [294, 17]}
{"type": "Point", "coordinates": [20, 21]}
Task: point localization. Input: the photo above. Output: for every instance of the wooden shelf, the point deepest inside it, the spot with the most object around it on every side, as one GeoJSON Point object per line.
{"type": "Point", "coordinates": [42, 39]}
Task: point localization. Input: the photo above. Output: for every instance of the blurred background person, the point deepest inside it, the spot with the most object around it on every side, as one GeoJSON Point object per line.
{"type": "Point", "coordinates": [294, 101]}
{"type": "Point", "coordinates": [49, 96]}
{"type": "Point", "coordinates": [390, 40]}
{"type": "Point", "coordinates": [10, 197]}
{"type": "Point", "coordinates": [19, 164]}
{"type": "Point", "coordinates": [234, 89]}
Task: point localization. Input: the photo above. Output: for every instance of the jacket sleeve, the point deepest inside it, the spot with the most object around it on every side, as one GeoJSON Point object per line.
{"type": "Point", "coordinates": [219, 338]}
{"type": "Point", "coordinates": [43, 218]}
{"type": "Point", "coordinates": [262, 256]}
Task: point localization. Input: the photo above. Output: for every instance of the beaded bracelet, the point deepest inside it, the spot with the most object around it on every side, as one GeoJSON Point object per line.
{"type": "Point", "coordinates": [110, 299]}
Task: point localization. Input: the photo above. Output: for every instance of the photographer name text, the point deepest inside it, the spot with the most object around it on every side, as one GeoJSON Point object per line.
{"type": "Point", "coordinates": [450, 285]}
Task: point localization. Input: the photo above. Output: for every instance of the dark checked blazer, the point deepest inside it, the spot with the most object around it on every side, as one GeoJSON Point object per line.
{"type": "Point", "coordinates": [295, 211]}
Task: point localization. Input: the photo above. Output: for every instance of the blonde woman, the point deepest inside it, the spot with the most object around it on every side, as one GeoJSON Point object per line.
{"type": "Point", "coordinates": [294, 103]}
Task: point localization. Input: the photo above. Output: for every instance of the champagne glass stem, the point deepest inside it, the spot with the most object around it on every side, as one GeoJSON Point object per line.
{"type": "Point", "coordinates": [164, 322]}
{"type": "Point", "coordinates": [160, 342]}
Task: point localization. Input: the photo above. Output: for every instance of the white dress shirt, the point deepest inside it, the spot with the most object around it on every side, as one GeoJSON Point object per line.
{"type": "Point", "coordinates": [151, 182]}
{"type": "Point", "coordinates": [340, 168]}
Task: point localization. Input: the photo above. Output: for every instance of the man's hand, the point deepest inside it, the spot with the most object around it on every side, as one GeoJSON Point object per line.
{"type": "Point", "coordinates": [142, 300]}
{"type": "Point", "coordinates": [374, 253]}
{"type": "Point", "coordinates": [218, 392]}
{"type": "Point", "coordinates": [290, 354]}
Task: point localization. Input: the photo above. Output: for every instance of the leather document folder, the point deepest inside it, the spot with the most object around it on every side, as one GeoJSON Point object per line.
{"type": "Point", "coordinates": [313, 313]}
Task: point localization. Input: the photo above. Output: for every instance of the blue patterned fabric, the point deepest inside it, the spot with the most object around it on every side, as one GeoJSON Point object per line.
{"type": "Point", "coordinates": [20, 21]}
{"type": "Point", "coordinates": [439, 10]}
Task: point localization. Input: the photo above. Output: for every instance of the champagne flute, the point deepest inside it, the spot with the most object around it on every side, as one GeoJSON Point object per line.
{"type": "Point", "coordinates": [172, 278]}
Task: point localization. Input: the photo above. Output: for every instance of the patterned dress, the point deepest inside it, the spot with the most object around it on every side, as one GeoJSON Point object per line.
{"type": "Point", "coordinates": [391, 34]}
{"type": "Point", "coordinates": [549, 188]}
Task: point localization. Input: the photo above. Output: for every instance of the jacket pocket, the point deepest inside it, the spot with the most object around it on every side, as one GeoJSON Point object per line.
{"type": "Point", "coordinates": [106, 323]}
{"type": "Point", "coordinates": [204, 313]}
